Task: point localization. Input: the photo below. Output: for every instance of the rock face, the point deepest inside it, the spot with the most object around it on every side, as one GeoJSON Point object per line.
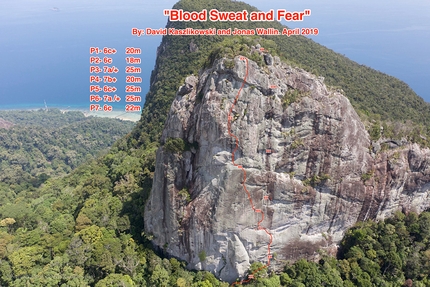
{"type": "Point", "coordinates": [309, 164]}
{"type": "Point", "coordinates": [5, 124]}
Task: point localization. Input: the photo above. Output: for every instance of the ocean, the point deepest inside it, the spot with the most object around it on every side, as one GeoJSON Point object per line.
{"type": "Point", "coordinates": [45, 49]}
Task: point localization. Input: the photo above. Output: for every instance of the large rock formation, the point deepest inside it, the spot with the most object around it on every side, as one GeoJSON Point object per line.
{"type": "Point", "coordinates": [310, 169]}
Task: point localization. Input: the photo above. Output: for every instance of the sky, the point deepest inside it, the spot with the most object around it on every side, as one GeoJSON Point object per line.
{"type": "Point", "coordinates": [44, 52]}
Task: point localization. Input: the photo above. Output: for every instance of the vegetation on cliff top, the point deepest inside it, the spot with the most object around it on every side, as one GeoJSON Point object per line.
{"type": "Point", "coordinates": [376, 96]}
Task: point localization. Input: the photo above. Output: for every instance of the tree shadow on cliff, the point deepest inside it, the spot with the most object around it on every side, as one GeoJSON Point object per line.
{"type": "Point", "coordinates": [134, 207]}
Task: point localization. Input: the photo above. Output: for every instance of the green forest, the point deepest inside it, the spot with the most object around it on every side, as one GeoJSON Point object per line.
{"type": "Point", "coordinates": [41, 144]}
{"type": "Point", "coordinates": [71, 210]}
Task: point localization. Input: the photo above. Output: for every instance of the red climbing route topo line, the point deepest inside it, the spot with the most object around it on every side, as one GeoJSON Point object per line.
{"type": "Point", "coordinates": [259, 227]}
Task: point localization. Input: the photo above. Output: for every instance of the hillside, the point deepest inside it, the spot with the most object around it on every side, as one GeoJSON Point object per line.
{"type": "Point", "coordinates": [377, 97]}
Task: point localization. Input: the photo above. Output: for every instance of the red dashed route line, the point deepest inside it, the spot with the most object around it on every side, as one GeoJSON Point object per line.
{"type": "Point", "coordinates": [259, 227]}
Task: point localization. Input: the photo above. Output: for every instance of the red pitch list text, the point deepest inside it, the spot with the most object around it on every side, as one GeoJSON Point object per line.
{"type": "Point", "coordinates": [102, 102]}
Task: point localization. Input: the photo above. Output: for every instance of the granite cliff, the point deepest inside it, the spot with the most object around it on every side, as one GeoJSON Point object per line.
{"type": "Point", "coordinates": [311, 169]}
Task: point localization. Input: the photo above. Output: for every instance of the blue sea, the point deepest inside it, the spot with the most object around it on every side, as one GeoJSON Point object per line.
{"type": "Point", "coordinates": [44, 44]}
{"type": "Point", "coordinates": [45, 48]}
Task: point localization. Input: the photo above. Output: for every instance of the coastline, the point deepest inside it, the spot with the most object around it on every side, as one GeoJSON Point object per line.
{"type": "Point", "coordinates": [126, 116]}
{"type": "Point", "coordinates": [122, 115]}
